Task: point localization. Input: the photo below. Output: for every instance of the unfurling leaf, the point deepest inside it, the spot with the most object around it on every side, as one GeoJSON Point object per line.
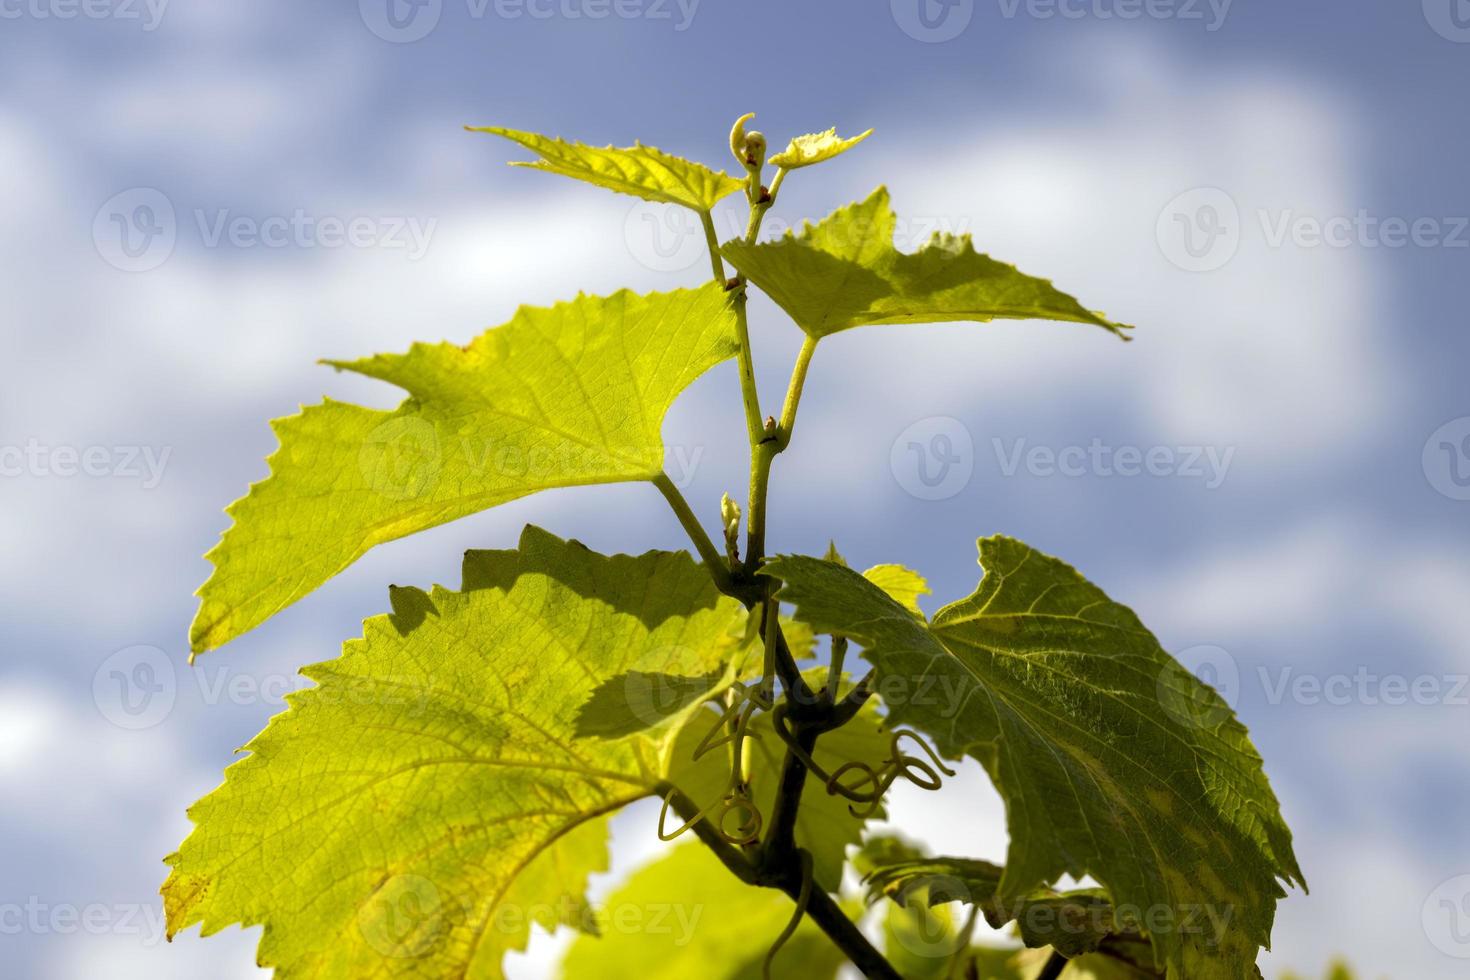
{"type": "Point", "coordinates": [845, 272]}
{"type": "Point", "coordinates": [1112, 760]}
{"type": "Point", "coordinates": [409, 813]}
{"type": "Point", "coordinates": [685, 916]}
{"type": "Point", "coordinates": [566, 396]}
{"type": "Point", "coordinates": [642, 171]}
{"type": "Point", "coordinates": [803, 151]}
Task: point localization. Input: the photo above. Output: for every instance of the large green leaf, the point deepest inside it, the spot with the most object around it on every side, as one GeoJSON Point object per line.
{"type": "Point", "coordinates": [845, 272]}
{"type": "Point", "coordinates": [643, 171]}
{"type": "Point", "coordinates": [412, 812]}
{"type": "Point", "coordinates": [566, 396]}
{"type": "Point", "coordinates": [686, 916]}
{"type": "Point", "coordinates": [1058, 692]}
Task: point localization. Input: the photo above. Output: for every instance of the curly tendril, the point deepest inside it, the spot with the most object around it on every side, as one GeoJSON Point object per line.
{"type": "Point", "coordinates": [872, 784]}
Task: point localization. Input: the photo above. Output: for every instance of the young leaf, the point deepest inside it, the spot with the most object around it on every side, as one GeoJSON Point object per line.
{"type": "Point", "coordinates": [406, 815]}
{"type": "Point", "coordinates": [642, 171]}
{"type": "Point", "coordinates": [566, 396]}
{"type": "Point", "coordinates": [686, 916]}
{"type": "Point", "coordinates": [1061, 695]}
{"type": "Point", "coordinates": [803, 151]}
{"type": "Point", "coordinates": [846, 272]}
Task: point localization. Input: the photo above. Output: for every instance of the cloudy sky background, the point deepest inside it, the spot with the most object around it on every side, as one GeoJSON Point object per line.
{"type": "Point", "coordinates": [1327, 541]}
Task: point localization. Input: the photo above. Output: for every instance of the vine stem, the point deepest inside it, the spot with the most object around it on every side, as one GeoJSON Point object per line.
{"type": "Point", "coordinates": [825, 913]}
{"type": "Point", "coordinates": [1054, 967]}
{"type": "Point", "coordinates": [711, 556]}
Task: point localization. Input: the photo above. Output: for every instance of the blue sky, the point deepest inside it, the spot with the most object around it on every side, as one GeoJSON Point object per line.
{"type": "Point", "coordinates": [1274, 193]}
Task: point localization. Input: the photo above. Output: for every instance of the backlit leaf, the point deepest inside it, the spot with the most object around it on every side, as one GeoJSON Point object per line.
{"type": "Point", "coordinates": [686, 916]}
{"type": "Point", "coordinates": [642, 171]}
{"type": "Point", "coordinates": [413, 812]}
{"type": "Point", "coordinates": [803, 151]}
{"type": "Point", "coordinates": [566, 396]}
{"type": "Point", "coordinates": [845, 272]}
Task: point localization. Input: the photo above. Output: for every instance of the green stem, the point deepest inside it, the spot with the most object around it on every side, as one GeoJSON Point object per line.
{"type": "Point", "coordinates": [702, 543]}
{"type": "Point", "coordinates": [754, 428]}
{"type": "Point", "coordinates": [711, 239]}
{"type": "Point", "coordinates": [793, 392]}
{"type": "Point", "coordinates": [1053, 968]}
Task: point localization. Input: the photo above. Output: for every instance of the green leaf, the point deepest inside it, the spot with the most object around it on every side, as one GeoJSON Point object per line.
{"type": "Point", "coordinates": [846, 272]}
{"type": "Point", "coordinates": [1059, 693]}
{"type": "Point", "coordinates": [1074, 922]}
{"type": "Point", "coordinates": [566, 396]}
{"type": "Point", "coordinates": [642, 171]}
{"type": "Point", "coordinates": [428, 798]}
{"type": "Point", "coordinates": [903, 585]}
{"type": "Point", "coordinates": [803, 151]}
{"type": "Point", "coordinates": [686, 916]}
